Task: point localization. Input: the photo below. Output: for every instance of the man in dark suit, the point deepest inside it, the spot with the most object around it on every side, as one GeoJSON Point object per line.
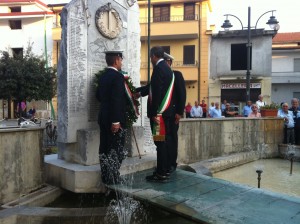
{"type": "Point", "coordinates": [179, 98]}
{"type": "Point", "coordinates": [112, 97]}
{"type": "Point", "coordinates": [161, 80]}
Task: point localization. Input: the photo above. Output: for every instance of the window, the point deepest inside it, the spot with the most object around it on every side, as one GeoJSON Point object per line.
{"type": "Point", "coordinates": [15, 24]}
{"type": "Point", "coordinates": [189, 11]}
{"type": "Point", "coordinates": [15, 9]}
{"type": "Point", "coordinates": [17, 52]}
{"type": "Point", "coordinates": [166, 49]}
{"type": "Point", "coordinates": [296, 64]}
{"type": "Point", "coordinates": [189, 54]}
{"type": "Point", "coordinates": [239, 57]}
{"type": "Point", "coordinates": [296, 95]}
{"type": "Point", "coordinates": [161, 13]}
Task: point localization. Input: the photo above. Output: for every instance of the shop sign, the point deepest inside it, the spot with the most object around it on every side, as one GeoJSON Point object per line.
{"type": "Point", "coordinates": [240, 86]}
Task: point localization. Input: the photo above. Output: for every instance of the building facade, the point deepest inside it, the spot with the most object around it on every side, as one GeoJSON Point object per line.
{"type": "Point", "coordinates": [24, 23]}
{"type": "Point", "coordinates": [228, 66]}
{"type": "Point", "coordinates": [286, 67]}
{"type": "Point", "coordinates": [181, 28]}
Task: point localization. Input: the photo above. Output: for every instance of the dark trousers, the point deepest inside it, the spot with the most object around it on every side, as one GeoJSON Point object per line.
{"type": "Point", "coordinates": [188, 115]}
{"type": "Point", "coordinates": [172, 146]}
{"type": "Point", "coordinates": [289, 137]}
{"type": "Point", "coordinates": [111, 154]}
{"type": "Point", "coordinates": [163, 163]}
{"type": "Point", "coordinates": [297, 135]}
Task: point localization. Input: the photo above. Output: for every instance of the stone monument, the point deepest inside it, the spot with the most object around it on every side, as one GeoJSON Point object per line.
{"type": "Point", "coordinates": [89, 28]}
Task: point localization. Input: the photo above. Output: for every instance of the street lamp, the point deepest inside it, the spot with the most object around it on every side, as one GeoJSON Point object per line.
{"type": "Point", "coordinates": [272, 22]}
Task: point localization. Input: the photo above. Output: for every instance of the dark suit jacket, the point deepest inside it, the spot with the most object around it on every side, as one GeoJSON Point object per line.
{"type": "Point", "coordinates": [112, 97]}
{"type": "Point", "coordinates": [179, 94]}
{"type": "Point", "coordinates": [160, 82]}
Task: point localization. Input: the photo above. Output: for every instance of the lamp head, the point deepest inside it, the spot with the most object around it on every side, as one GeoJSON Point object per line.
{"type": "Point", "coordinates": [226, 25]}
{"type": "Point", "coordinates": [273, 23]}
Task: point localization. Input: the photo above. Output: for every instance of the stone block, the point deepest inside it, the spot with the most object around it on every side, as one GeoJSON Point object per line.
{"type": "Point", "coordinates": [88, 146]}
{"type": "Point", "coordinates": [135, 142]}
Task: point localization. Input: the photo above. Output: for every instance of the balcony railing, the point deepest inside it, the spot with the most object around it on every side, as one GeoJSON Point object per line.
{"type": "Point", "coordinates": [169, 18]}
{"type": "Point", "coordinates": [176, 64]}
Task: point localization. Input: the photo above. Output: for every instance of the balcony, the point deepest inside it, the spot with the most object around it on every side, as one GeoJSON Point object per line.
{"type": "Point", "coordinates": [189, 70]}
{"type": "Point", "coordinates": [173, 27]}
{"type": "Point", "coordinates": [285, 77]}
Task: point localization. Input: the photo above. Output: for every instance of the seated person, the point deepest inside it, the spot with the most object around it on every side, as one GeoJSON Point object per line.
{"type": "Point", "coordinates": [31, 112]}
{"type": "Point", "coordinates": [254, 112]}
{"type": "Point", "coordinates": [228, 112]}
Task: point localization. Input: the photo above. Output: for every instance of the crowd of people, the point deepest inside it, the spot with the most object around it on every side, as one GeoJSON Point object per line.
{"type": "Point", "coordinates": [291, 115]}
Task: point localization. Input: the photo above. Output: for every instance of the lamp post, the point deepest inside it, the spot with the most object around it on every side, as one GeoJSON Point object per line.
{"type": "Point", "coordinates": [272, 22]}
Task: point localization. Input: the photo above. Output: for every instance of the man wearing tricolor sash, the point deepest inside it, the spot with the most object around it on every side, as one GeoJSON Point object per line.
{"type": "Point", "coordinates": [179, 98]}
{"type": "Point", "coordinates": [159, 111]}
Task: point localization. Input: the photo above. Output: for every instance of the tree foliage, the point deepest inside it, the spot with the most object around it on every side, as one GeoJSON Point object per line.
{"type": "Point", "coordinates": [26, 77]}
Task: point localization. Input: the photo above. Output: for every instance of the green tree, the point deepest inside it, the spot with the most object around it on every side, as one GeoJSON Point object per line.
{"type": "Point", "coordinates": [26, 77]}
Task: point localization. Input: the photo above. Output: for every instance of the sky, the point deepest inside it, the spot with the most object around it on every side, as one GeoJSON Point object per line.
{"type": "Point", "coordinates": [287, 13]}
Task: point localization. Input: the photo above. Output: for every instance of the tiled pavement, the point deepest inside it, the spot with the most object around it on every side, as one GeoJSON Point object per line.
{"type": "Point", "coordinates": [209, 200]}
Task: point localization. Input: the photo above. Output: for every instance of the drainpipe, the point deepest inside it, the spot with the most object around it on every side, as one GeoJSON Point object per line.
{"type": "Point", "coordinates": [149, 18]}
{"type": "Point", "coordinates": [199, 51]}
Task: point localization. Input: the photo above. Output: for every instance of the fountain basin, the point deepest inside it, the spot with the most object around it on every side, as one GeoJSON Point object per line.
{"type": "Point", "coordinates": [22, 162]}
{"type": "Point", "coordinates": [284, 151]}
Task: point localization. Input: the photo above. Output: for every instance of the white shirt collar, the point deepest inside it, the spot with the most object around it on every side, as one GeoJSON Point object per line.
{"type": "Point", "coordinates": [112, 68]}
{"type": "Point", "coordinates": [159, 60]}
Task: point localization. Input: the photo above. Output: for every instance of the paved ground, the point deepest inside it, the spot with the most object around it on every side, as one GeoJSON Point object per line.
{"type": "Point", "coordinates": [209, 200]}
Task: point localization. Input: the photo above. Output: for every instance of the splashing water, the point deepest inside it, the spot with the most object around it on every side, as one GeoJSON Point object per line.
{"type": "Point", "coordinates": [291, 151]}
{"type": "Point", "coordinates": [125, 211]}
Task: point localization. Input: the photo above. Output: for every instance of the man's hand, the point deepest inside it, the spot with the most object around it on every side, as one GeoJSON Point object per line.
{"type": "Point", "coordinates": [137, 95]}
{"type": "Point", "coordinates": [177, 118]}
{"type": "Point", "coordinates": [115, 127]}
{"type": "Point", "coordinates": [155, 120]}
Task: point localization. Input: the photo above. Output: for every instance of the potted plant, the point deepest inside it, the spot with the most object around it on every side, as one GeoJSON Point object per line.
{"type": "Point", "coordinates": [269, 110]}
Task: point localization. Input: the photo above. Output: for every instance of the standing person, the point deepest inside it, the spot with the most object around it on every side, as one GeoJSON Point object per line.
{"type": "Point", "coordinates": [260, 102]}
{"type": "Point", "coordinates": [112, 97]}
{"type": "Point", "coordinates": [223, 106]}
{"type": "Point", "coordinates": [196, 111]}
{"type": "Point", "coordinates": [296, 115]}
{"type": "Point", "coordinates": [247, 109]}
{"type": "Point", "coordinates": [179, 98]}
{"type": "Point", "coordinates": [288, 124]}
{"type": "Point", "coordinates": [229, 112]}
{"type": "Point", "coordinates": [188, 109]}
{"type": "Point", "coordinates": [254, 112]}
{"type": "Point", "coordinates": [204, 108]}
{"type": "Point", "coordinates": [162, 80]}
{"type": "Point", "coordinates": [212, 106]}
{"type": "Point", "coordinates": [216, 112]}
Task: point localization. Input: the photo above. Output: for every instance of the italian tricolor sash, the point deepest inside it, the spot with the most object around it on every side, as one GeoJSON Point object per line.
{"type": "Point", "coordinates": [158, 130]}
{"type": "Point", "coordinates": [130, 96]}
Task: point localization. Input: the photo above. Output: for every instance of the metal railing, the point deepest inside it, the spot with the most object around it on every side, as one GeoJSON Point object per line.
{"type": "Point", "coordinates": [169, 18]}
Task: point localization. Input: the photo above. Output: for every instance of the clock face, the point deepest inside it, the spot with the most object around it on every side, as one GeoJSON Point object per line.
{"type": "Point", "coordinates": [108, 22]}
{"type": "Point", "coordinates": [131, 2]}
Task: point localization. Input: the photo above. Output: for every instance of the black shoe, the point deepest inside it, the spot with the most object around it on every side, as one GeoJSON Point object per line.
{"type": "Point", "coordinates": [173, 169]}
{"type": "Point", "coordinates": [157, 178]}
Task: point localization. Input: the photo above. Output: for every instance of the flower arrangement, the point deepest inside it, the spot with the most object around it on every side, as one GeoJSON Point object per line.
{"type": "Point", "coordinates": [132, 104]}
{"type": "Point", "coordinates": [271, 106]}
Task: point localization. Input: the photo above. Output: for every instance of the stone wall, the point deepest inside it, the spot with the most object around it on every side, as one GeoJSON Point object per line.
{"type": "Point", "coordinates": [21, 160]}
{"type": "Point", "coordinates": [202, 139]}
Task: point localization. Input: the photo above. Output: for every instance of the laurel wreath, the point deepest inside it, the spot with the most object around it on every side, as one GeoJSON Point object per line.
{"type": "Point", "coordinates": [131, 115]}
